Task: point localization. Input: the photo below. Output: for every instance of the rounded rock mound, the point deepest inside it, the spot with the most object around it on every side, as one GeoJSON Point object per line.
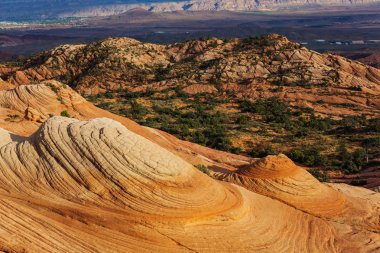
{"type": "Point", "coordinates": [278, 177]}
{"type": "Point", "coordinates": [90, 186]}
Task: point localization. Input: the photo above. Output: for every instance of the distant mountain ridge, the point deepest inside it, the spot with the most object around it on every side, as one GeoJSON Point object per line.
{"type": "Point", "coordinates": [215, 5]}
{"type": "Point", "coordinates": [26, 10]}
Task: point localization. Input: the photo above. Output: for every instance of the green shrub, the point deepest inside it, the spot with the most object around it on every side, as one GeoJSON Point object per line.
{"type": "Point", "coordinates": [208, 64]}
{"type": "Point", "coordinates": [161, 73]}
{"type": "Point", "coordinates": [242, 120]}
{"type": "Point", "coordinates": [374, 125]}
{"type": "Point", "coordinates": [12, 117]}
{"type": "Point", "coordinates": [352, 122]}
{"type": "Point", "coordinates": [53, 88]}
{"type": "Point", "coordinates": [351, 162]}
{"type": "Point", "coordinates": [260, 41]}
{"type": "Point", "coordinates": [371, 145]}
{"type": "Point", "coordinates": [308, 156]}
{"type": "Point", "coordinates": [127, 94]}
{"type": "Point", "coordinates": [105, 105]}
{"type": "Point", "coordinates": [202, 168]}
{"type": "Point", "coordinates": [199, 137]}
{"type": "Point", "coordinates": [65, 114]}
{"type": "Point", "coordinates": [321, 124]}
{"type": "Point", "coordinates": [272, 109]}
{"type": "Point", "coordinates": [322, 176]}
{"type": "Point", "coordinates": [263, 150]}
{"type": "Point", "coordinates": [217, 138]}
{"type": "Point", "coordinates": [349, 166]}
{"type": "Point", "coordinates": [108, 94]}
{"type": "Point", "coordinates": [359, 157]}
{"type": "Point", "coordinates": [137, 110]}
{"type": "Point", "coordinates": [277, 89]}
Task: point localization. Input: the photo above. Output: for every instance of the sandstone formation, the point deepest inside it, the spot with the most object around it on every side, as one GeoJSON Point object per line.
{"type": "Point", "coordinates": [242, 68]}
{"type": "Point", "coordinates": [250, 68]}
{"type": "Point", "coordinates": [174, 78]}
{"type": "Point", "coordinates": [110, 185]}
{"type": "Point", "coordinates": [279, 178]}
{"type": "Point", "coordinates": [371, 60]}
{"type": "Point", "coordinates": [23, 109]}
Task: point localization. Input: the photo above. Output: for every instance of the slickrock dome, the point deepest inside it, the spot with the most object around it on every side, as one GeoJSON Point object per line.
{"type": "Point", "coordinates": [24, 108]}
{"type": "Point", "coordinates": [110, 185]}
{"type": "Point", "coordinates": [95, 185]}
{"type": "Point", "coordinates": [280, 178]}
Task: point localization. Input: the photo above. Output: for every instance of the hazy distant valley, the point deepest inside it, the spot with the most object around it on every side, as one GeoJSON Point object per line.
{"type": "Point", "coordinates": [354, 33]}
{"type": "Point", "coordinates": [43, 9]}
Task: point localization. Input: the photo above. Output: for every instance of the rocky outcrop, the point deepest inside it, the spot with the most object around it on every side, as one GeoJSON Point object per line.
{"type": "Point", "coordinates": [250, 68]}
{"type": "Point", "coordinates": [371, 60]}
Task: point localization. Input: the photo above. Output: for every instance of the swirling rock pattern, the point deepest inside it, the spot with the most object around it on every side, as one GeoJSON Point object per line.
{"type": "Point", "coordinates": [110, 185]}
{"type": "Point", "coordinates": [279, 178]}
{"type": "Point", "coordinates": [118, 191]}
{"type": "Point", "coordinates": [51, 98]}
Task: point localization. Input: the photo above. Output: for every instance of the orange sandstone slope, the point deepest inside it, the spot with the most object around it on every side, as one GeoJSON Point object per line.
{"type": "Point", "coordinates": [23, 109]}
{"type": "Point", "coordinates": [96, 186]}
{"type": "Point", "coordinates": [110, 185]}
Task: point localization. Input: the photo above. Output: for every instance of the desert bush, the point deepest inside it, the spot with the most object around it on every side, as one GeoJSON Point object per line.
{"type": "Point", "coordinates": [127, 94]}
{"type": "Point", "coordinates": [272, 109]}
{"type": "Point", "coordinates": [351, 162]}
{"type": "Point", "coordinates": [322, 176]}
{"type": "Point", "coordinates": [308, 156]}
{"type": "Point", "coordinates": [108, 94]}
{"type": "Point", "coordinates": [262, 150]}
{"type": "Point", "coordinates": [260, 41]}
{"type": "Point", "coordinates": [359, 157]}
{"type": "Point", "coordinates": [208, 64]}
{"type": "Point", "coordinates": [277, 89]}
{"type": "Point", "coordinates": [242, 120]}
{"type": "Point", "coordinates": [12, 117]}
{"type": "Point", "coordinates": [320, 124]}
{"type": "Point", "coordinates": [137, 110]}
{"type": "Point", "coordinates": [349, 166]}
{"type": "Point", "coordinates": [374, 125]}
{"type": "Point", "coordinates": [161, 73]}
{"type": "Point", "coordinates": [202, 168]}
{"type": "Point", "coordinates": [351, 122]}
{"type": "Point", "coordinates": [65, 114]}
{"type": "Point", "coordinates": [105, 105]}
{"type": "Point", "coordinates": [53, 88]}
